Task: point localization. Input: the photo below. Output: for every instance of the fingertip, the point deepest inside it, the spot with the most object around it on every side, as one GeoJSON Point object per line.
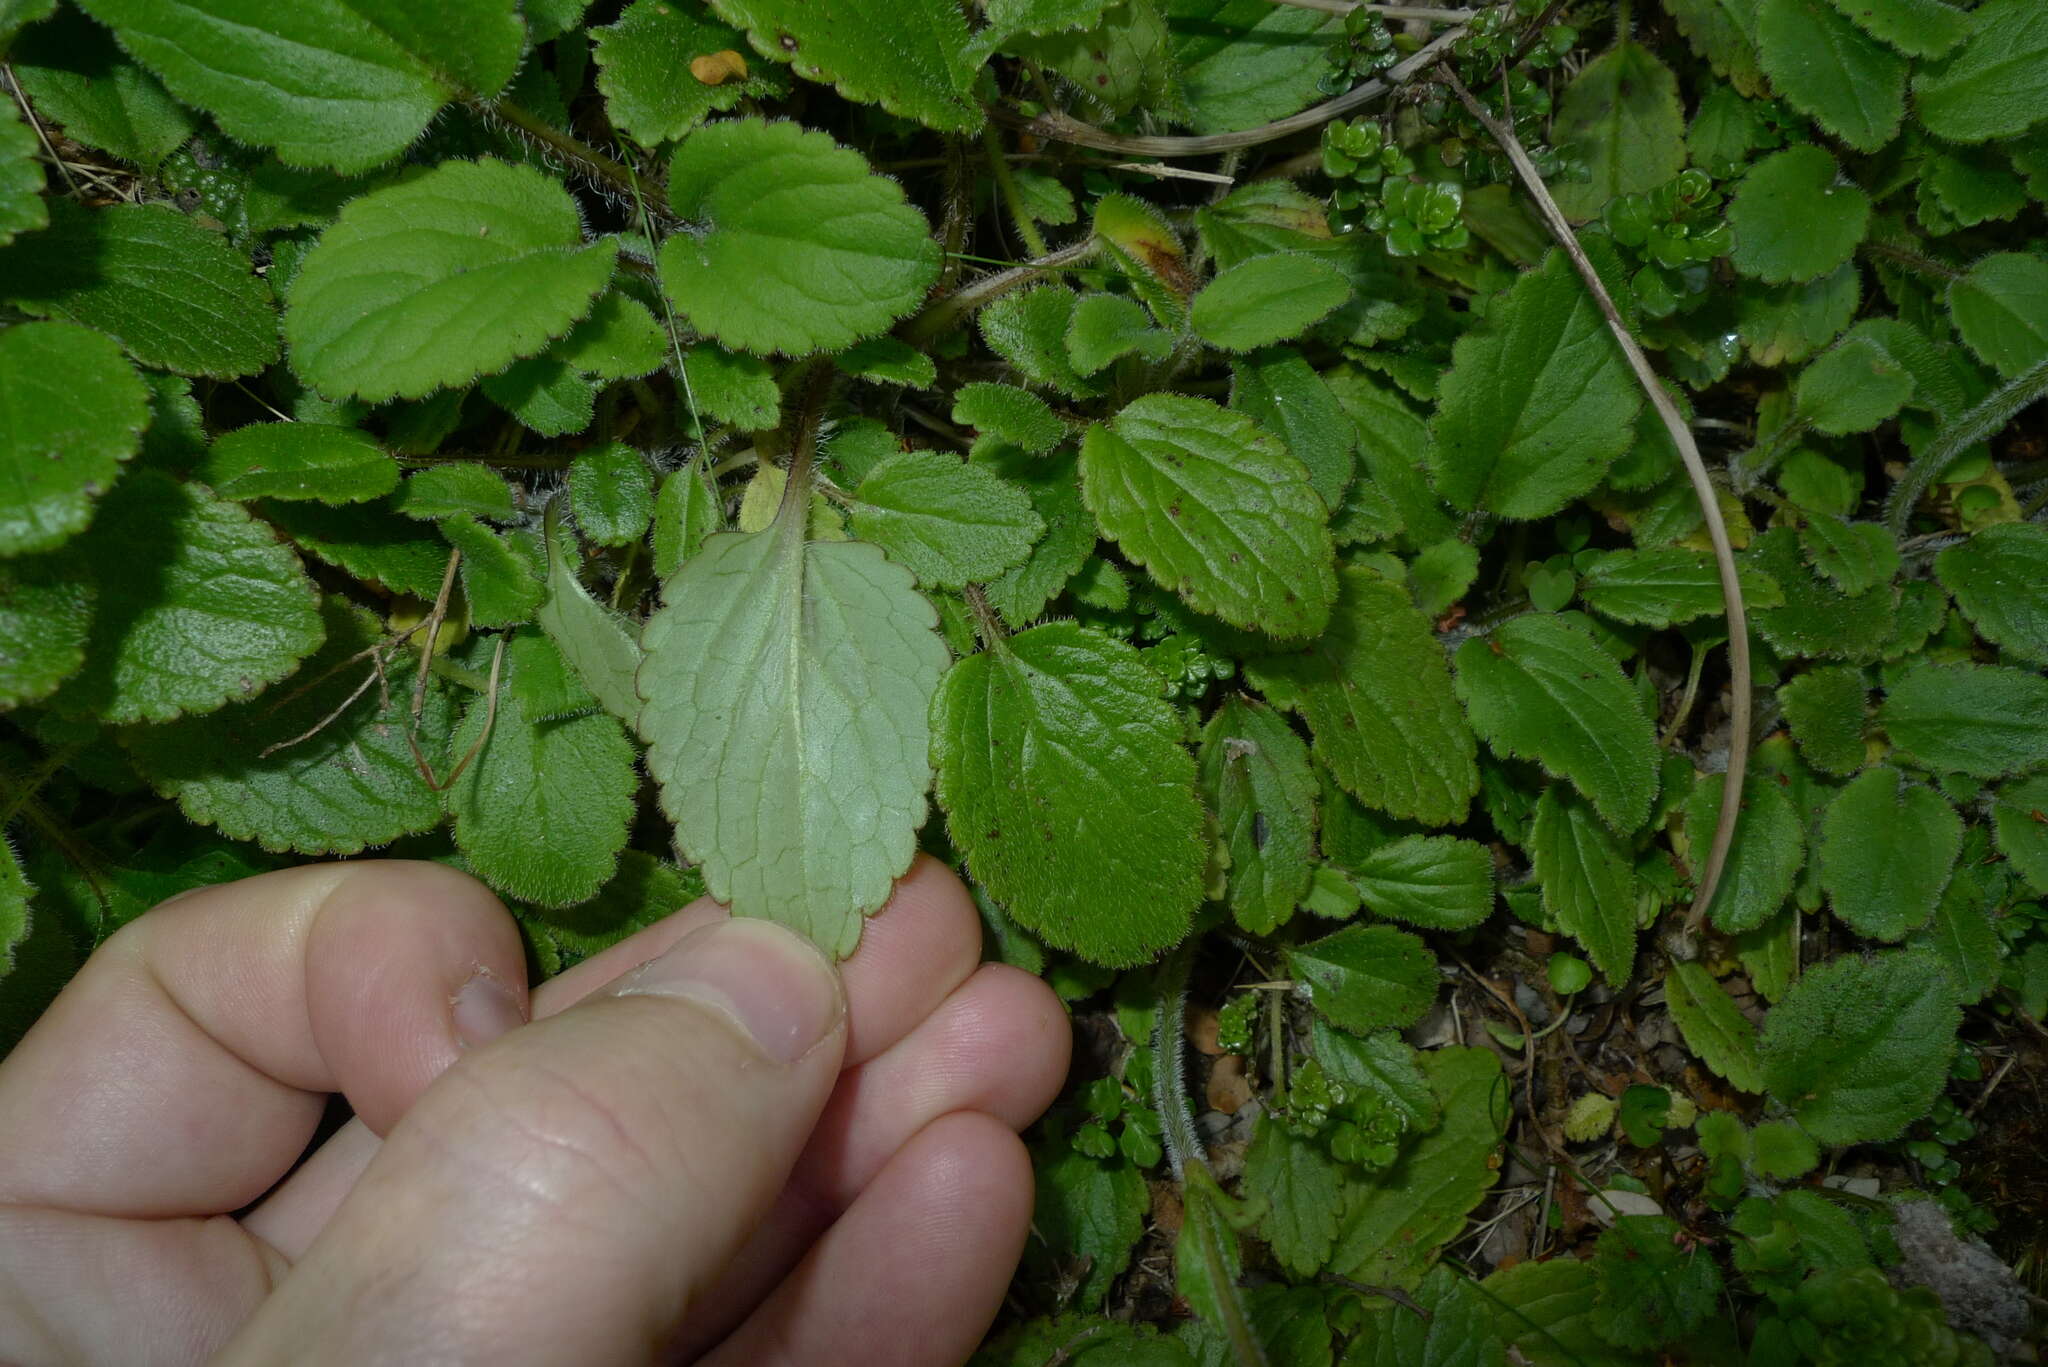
{"type": "Point", "coordinates": [408, 964]}
{"type": "Point", "coordinates": [913, 953]}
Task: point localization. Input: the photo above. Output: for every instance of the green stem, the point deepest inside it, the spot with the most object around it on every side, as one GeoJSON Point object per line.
{"type": "Point", "coordinates": [942, 313]}
{"type": "Point", "coordinates": [1169, 1071]}
{"type": "Point", "coordinates": [1013, 198]}
{"type": "Point", "coordinates": [1961, 433]}
{"type": "Point", "coordinates": [591, 161]}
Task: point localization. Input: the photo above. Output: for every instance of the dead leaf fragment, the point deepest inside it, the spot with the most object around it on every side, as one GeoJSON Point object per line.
{"type": "Point", "coordinates": [716, 68]}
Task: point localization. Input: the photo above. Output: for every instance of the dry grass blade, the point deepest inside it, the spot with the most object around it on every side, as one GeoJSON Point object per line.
{"type": "Point", "coordinates": [1695, 467]}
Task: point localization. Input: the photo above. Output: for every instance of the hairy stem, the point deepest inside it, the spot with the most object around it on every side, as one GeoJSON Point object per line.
{"type": "Point", "coordinates": [1061, 127]}
{"type": "Point", "coordinates": [1961, 433]}
{"type": "Point", "coordinates": [1695, 467]}
{"type": "Point", "coordinates": [942, 313]}
{"type": "Point", "coordinates": [586, 158]}
{"type": "Point", "coordinates": [1013, 198]}
{"type": "Point", "coordinates": [1169, 1072]}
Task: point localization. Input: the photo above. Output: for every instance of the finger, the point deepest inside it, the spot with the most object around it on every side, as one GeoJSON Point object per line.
{"type": "Point", "coordinates": [566, 1193]}
{"type": "Point", "coordinates": [912, 955]}
{"type": "Point", "coordinates": [185, 1068]}
{"type": "Point", "coordinates": [998, 1046]}
{"type": "Point", "coordinates": [913, 1274]}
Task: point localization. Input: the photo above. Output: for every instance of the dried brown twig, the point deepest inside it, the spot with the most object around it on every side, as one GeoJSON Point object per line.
{"type": "Point", "coordinates": [1695, 467]}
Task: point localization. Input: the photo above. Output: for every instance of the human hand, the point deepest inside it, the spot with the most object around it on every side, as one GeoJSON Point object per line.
{"type": "Point", "coordinates": [629, 1178]}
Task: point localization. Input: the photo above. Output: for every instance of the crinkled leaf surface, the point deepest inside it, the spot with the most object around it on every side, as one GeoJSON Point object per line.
{"type": "Point", "coordinates": [342, 777]}
{"type": "Point", "coordinates": [1538, 402]}
{"type": "Point", "coordinates": [787, 686]}
{"type": "Point", "coordinates": [1852, 387]}
{"type": "Point", "coordinates": [1367, 977]}
{"type": "Point", "coordinates": [440, 280]}
{"type": "Point", "coordinates": [908, 56]}
{"type": "Point", "coordinates": [1022, 592]}
{"type": "Point", "coordinates": [612, 490]}
{"type": "Point", "coordinates": [1996, 84]}
{"type": "Point", "coordinates": [21, 180]}
{"type": "Point", "coordinates": [45, 616]}
{"type": "Point", "coordinates": [1216, 510]}
{"type": "Point", "coordinates": [1815, 617]}
{"type": "Point", "coordinates": [501, 584]}
{"type": "Point", "coordinates": [793, 245]}
{"type": "Point", "coordinates": [176, 296]}
{"type": "Point", "coordinates": [948, 522]}
{"type": "Point", "coordinates": [1886, 849]}
{"type": "Point", "coordinates": [643, 70]}
{"type": "Point", "coordinates": [1588, 882]}
{"type": "Point", "coordinates": [77, 74]}
{"type": "Point", "coordinates": [72, 411]}
{"type": "Point", "coordinates": [338, 83]}
{"type": "Point", "coordinates": [1399, 1217]}
{"type": "Point", "coordinates": [1855, 556]}
{"type": "Point", "coordinates": [2000, 580]}
{"type": "Point", "coordinates": [198, 604]}
{"type": "Point", "coordinates": [1058, 739]}
{"type": "Point", "coordinates": [1541, 688]}
{"type": "Point", "coordinates": [299, 460]}
{"type": "Point", "coordinates": [1826, 709]}
{"type": "Point", "coordinates": [1256, 775]}
{"type": "Point", "coordinates": [542, 811]}
{"type": "Point", "coordinates": [1769, 848]}
{"type": "Point", "coordinates": [1454, 1328]}
{"type": "Point", "coordinates": [1714, 1027]}
{"type": "Point", "coordinates": [1302, 1192]}
{"type": "Point", "coordinates": [1983, 720]}
{"type": "Point", "coordinates": [1377, 697]}
{"type": "Point", "coordinates": [1435, 882]}
{"type": "Point", "coordinates": [1825, 66]}
{"type": "Point", "coordinates": [2001, 309]}
{"type": "Point", "coordinates": [1092, 1209]}
{"type": "Point", "coordinates": [1859, 1048]}
{"type": "Point", "coordinates": [2020, 817]}
{"type": "Point", "coordinates": [1282, 393]}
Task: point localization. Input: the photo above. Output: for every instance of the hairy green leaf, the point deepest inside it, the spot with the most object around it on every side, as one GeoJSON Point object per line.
{"type": "Point", "coordinates": [1984, 720]}
{"type": "Point", "coordinates": [1859, 1048]}
{"type": "Point", "coordinates": [371, 543]}
{"type": "Point", "coordinates": [2001, 309]}
{"type": "Point", "coordinates": [787, 684]}
{"type": "Point", "coordinates": [1094, 1210]}
{"type": "Point", "coordinates": [1216, 510]}
{"type": "Point", "coordinates": [45, 619]}
{"type": "Point", "coordinates": [644, 70]}
{"type": "Point", "coordinates": [21, 180]}
{"type": "Point", "coordinates": [1714, 1027]}
{"type": "Point", "coordinates": [594, 642]}
{"type": "Point", "coordinates": [1366, 978]}
{"type": "Point", "coordinates": [77, 74]}
{"type": "Point", "coordinates": [1377, 697]}
{"type": "Point", "coordinates": [2020, 819]}
{"type": "Point", "coordinates": [72, 412]}
{"type": "Point", "coordinates": [1009, 414]}
{"type": "Point", "coordinates": [1826, 709]}
{"type": "Point", "coordinates": [1588, 882]}
{"type": "Point", "coordinates": [2000, 580]}
{"type": "Point", "coordinates": [1852, 387]}
{"type": "Point", "coordinates": [1886, 849]}
{"type": "Point", "coordinates": [1815, 617]}
{"type": "Point", "coordinates": [1996, 85]}
{"type": "Point", "coordinates": [441, 279]}
{"type": "Point", "coordinates": [1278, 389]}
{"type": "Point", "coordinates": [338, 83]}
{"type": "Point", "coordinates": [1541, 688]}
{"type": "Point", "coordinates": [1665, 586]}
{"type": "Point", "coordinates": [1399, 1217]}
{"type": "Point", "coordinates": [1105, 327]}
{"type": "Point", "coordinates": [1764, 862]}
{"type": "Point", "coordinates": [794, 245]}
{"type": "Point", "coordinates": [299, 461]}
{"type": "Point", "coordinates": [1030, 328]}
{"type": "Point", "coordinates": [1301, 1191]}
{"type": "Point", "coordinates": [1654, 1287]}
{"type": "Point", "coordinates": [541, 813]}
{"type": "Point", "coordinates": [1620, 116]}
{"type": "Point", "coordinates": [908, 56]}
{"type": "Point", "coordinates": [1825, 66]}
{"type": "Point", "coordinates": [946, 521]}
{"type": "Point", "coordinates": [1022, 592]}
{"type": "Point", "coordinates": [1038, 741]}
{"type": "Point", "coordinates": [1434, 882]}
{"type": "Point", "coordinates": [198, 604]}
{"type": "Point", "coordinates": [1265, 300]}
{"type": "Point", "coordinates": [176, 296]}
{"type": "Point", "coordinates": [1256, 776]}
{"type": "Point", "coordinates": [612, 491]}
{"type": "Point", "coordinates": [1792, 221]}
{"type": "Point", "coordinates": [1246, 62]}
{"type": "Point", "coordinates": [503, 585]}
{"type": "Point", "coordinates": [1537, 403]}
{"type": "Point", "coordinates": [1855, 556]}
{"type": "Point", "coordinates": [319, 765]}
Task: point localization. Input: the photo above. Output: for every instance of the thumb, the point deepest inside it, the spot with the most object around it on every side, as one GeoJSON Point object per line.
{"type": "Point", "coordinates": [565, 1193]}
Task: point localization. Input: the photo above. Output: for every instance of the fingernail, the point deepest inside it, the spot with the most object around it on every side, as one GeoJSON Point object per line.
{"type": "Point", "coordinates": [486, 1008]}
{"type": "Point", "coordinates": [768, 980]}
